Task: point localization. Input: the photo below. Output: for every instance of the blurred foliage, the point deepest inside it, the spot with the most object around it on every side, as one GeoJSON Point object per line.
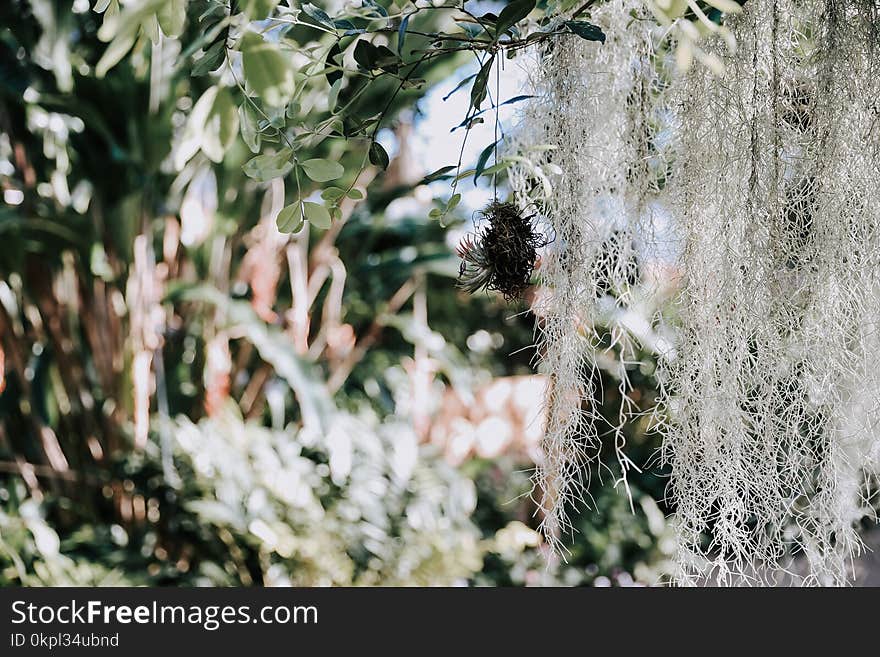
{"type": "Point", "coordinates": [191, 397]}
{"type": "Point", "coordinates": [362, 504]}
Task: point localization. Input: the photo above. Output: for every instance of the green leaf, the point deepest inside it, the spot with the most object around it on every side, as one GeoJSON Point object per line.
{"type": "Point", "coordinates": [498, 166]}
{"type": "Point", "coordinates": [322, 170]}
{"type": "Point", "coordinates": [437, 175]}
{"type": "Point", "coordinates": [470, 122]}
{"type": "Point", "coordinates": [512, 14]}
{"type": "Point", "coordinates": [221, 127]}
{"type": "Point", "coordinates": [459, 86]}
{"type": "Point", "coordinates": [495, 168]}
{"type": "Point", "coordinates": [333, 75]}
{"type": "Point", "coordinates": [355, 194]}
{"type": "Point", "coordinates": [478, 91]}
{"type": "Point", "coordinates": [317, 215]}
{"type": "Point", "coordinates": [387, 59]}
{"type": "Point", "coordinates": [586, 30]}
{"type": "Point", "coordinates": [481, 161]}
{"type": "Point", "coordinates": [333, 96]}
{"type": "Point", "coordinates": [378, 9]}
{"type": "Point", "coordinates": [332, 194]}
{"type": "Point", "coordinates": [210, 60]}
{"type": "Point", "coordinates": [360, 127]}
{"type": "Point", "coordinates": [453, 202]}
{"type": "Point", "coordinates": [211, 126]}
{"type": "Point", "coordinates": [318, 15]}
{"type": "Point", "coordinates": [193, 133]}
{"type": "Point", "coordinates": [129, 20]}
{"type": "Point", "coordinates": [257, 10]}
{"type": "Point", "coordinates": [378, 155]}
{"type": "Point", "coordinates": [290, 219]}
{"type": "Point", "coordinates": [401, 33]}
{"type": "Point", "coordinates": [366, 54]}
{"type": "Point", "coordinates": [172, 17]}
{"type": "Point", "coordinates": [117, 49]}
{"type": "Point", "coordinates": [118, 21]}
{"type": "Point", "coordinates": [263, 168]}
{"type": "Point", "coordinates": [277, 117]}
{"type": "Point", "coordinates": [473, 119]}
{"type": "Point", "coordinates": [348, 26]}
{"type": "Point", "coordinates": [266, 69]}
{"type": "Point", "coordinates": [249, 122]}
{"type": "Point", "coordinates": [330, 61]}
{"type": "Point", "coordinates": [212, 15]}
{"type": "Point", "coordinates": [516, 99]}
{"type": "Point", "coordinates": [150, 27]}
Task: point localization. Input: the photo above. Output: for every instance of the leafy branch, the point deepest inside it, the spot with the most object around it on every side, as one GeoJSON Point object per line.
{"type": "Point", "coordinates": [281, 61]}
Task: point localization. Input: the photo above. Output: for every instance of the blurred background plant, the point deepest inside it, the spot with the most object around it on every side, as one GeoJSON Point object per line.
{"type": "Point", "coordinates": [190, 396]}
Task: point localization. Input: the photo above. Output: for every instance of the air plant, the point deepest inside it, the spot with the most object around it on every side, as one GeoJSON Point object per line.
{"type": "Point", "coordinates": [500, 256]}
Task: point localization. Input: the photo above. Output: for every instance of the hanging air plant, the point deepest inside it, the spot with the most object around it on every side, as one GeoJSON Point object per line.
{"type": "Point", "coordinates": [769, 166]}
{"type": "Point", "coordinates": [501, 254]}
{"type": "Point", "coordinates": [587, 138]}
{"type": "Point", "coordinates": [775, 191]}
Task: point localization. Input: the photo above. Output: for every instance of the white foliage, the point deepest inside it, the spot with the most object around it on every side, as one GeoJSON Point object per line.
{"type": "Point", "coordinates": [589, 173]}
{"type": "Point", "coordinates": [769, 399]}
{"type": "Point", "coordinates": [775, 188]}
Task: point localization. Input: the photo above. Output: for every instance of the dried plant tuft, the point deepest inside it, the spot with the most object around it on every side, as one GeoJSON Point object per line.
{"type": "Point", "coordinates": [501, 254]}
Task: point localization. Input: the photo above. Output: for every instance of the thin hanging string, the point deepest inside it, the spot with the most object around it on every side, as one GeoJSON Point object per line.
{"type": "Point", "coordinates": [495, 149]}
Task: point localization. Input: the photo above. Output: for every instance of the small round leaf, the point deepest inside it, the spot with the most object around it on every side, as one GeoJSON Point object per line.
{"type": "Point", "coordinates": [263, 168]}
{"type": "Point", "coordinates": [290, 219]}
{"type": "Point", "coordinates": [322, 170]}
{"type": "Point", "coordinates": [317, 215]}
{"type": "Point", "coordinates": [378, 155]}
{"type": "Point", "coordinates": [332, 194]}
